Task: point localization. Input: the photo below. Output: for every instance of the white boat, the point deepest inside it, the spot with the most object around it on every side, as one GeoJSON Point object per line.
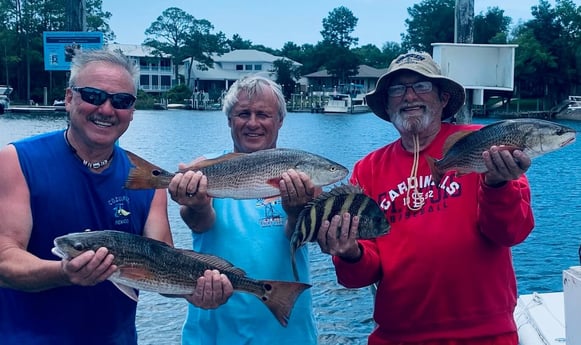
{"type": "Point", "coordinates": [347, 99]}
{"type": "Point", "coordinates": [346, 104]}
{"type": "Point", "coordinates": [5, 92]}
{"type": "Point", "coordinates": [551, 318]}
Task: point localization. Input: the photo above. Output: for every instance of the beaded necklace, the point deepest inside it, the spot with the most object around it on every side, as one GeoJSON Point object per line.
{"type": "Point", "coordinates": [90, 165]}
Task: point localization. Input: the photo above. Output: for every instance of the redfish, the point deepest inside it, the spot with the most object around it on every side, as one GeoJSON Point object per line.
{"type": "Point", "coordinates": [462, 151]}
{"type": "Point", "coordinates": [242, 175]}
{"type": "Point", "coordinates": [152, 265]}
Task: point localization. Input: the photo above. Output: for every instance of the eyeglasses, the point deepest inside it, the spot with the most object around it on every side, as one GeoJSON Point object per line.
{"type": "Point", "coordinates": [419, 88]}
{"type": "Point", "coordinates": [97, 97]}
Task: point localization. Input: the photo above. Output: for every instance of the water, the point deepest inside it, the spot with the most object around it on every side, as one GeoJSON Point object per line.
{"type": "Point", "coordinates": [344, 315]}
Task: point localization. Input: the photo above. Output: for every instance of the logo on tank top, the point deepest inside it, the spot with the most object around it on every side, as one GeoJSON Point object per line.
{"type": "Point", "coordinates": [119, 209]}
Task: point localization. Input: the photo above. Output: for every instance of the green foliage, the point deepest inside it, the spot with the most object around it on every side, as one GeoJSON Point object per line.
{"type": "Point", "coordinates": [491, 27]}
{"type": "Point", "coordinates": [179, 93]}
{"type": "Point", "coordinates": [431, 21]}
{"type": "Point", "coordinates": [145, 100]}
{"type": "Point", "coordinates": [180, 35]}
{"type": "Point", "coordinates": [286, 76]}
{"type": "Point", "coordinates": [338, 27]}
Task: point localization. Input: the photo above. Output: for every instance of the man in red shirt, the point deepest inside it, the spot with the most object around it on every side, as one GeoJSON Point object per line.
{"type": "Point", "coordinates": [444, 273]}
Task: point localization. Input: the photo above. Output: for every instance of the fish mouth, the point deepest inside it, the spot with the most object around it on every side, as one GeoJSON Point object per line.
{"type": "Point", "coordinates": [568, 141]}
{"type": "Point", "coordinates": [58, 252]}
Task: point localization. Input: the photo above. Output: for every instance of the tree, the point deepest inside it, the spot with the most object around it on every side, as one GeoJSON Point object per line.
{"type": "Point", "coordinates": [181, 36]}
{"type": "Point", "coordinates": [169, 34]}
{"type": "Point", "coordinates": [341, 62]}
{"type": "Point", "coordinates": [370, 55]}
{"type": "Point", "coordinates": [431, 21]}
{"type": "Point", "coordinates": [491, 27]}
{"type": "Point", "coordinates": [236, 43]}
{"type": "Point", "coordinates": [338, 26]}
{"type": "Point", "coordinates": [286, 76]}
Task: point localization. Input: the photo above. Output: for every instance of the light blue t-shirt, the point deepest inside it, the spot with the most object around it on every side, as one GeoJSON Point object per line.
{"type": "Point", "coordinates": [250, 234]}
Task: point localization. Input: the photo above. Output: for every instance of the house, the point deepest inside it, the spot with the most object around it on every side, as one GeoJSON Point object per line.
{"type": "Point", "coordinates": [367, 78]}
{"type": "Point", "coordinates": [156, 72]}
{"type": "Point", "coordinates": [227, 68]}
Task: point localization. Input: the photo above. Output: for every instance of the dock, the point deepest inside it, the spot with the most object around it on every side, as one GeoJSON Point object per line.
{"type": "Point", "coordinates": [37, 109]}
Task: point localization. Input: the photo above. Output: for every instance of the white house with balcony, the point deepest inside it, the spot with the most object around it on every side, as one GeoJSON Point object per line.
{"type": "Point", "coordinates": [227, 68]}
{"type": "Point", "coordinates": [156, 72]}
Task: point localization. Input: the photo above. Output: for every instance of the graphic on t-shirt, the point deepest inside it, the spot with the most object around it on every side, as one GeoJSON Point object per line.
{"type": "Point", "coordinates": [273, 214]}
{"type": "Point", "coordinates": [432, 198]}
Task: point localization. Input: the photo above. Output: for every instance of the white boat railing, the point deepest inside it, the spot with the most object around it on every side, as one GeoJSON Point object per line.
{"type": "Point", "coordinates": [574, 102]}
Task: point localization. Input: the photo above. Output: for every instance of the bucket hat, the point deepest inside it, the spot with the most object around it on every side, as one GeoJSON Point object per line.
{"type": "Point", "coordinates": [421, 63]}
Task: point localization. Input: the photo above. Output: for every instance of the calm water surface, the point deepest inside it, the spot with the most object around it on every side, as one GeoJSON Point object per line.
{"type": "Point", "coordinates": [344, 315]}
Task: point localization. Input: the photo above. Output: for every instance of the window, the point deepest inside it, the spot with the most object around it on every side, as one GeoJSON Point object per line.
{"type": "Point", "coordinates": [258, 67]}
{"type": "Point", "coordinates": [239, 67]}
{"type": "Point", "coordinates": [144, 80]}
{"type": "Point", "coordinates": [248, 67]}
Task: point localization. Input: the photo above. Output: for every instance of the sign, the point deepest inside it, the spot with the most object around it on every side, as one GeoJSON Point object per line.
{"type": "Point", "coordinates": [60, 47]}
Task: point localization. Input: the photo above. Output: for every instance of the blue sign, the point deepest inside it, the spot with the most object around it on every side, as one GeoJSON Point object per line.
{"type": "Point", "coordinates": [60, 47]}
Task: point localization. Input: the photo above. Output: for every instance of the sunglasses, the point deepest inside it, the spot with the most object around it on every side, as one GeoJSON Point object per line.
{"type": "Point", "coordinates": [97, 97]}
{"type": "Point", "coordinates": [419, 88]}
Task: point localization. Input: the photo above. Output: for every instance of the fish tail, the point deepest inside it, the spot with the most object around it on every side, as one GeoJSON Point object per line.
{"type": "Point", "coordinates": [280, 297]}
{"type": "Point", "coordinates": [145, 175]}
{"type": "Point", "coordinates": [436, 173]}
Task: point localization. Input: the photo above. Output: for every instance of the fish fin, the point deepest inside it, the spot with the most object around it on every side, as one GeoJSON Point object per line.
{"type": "Point", "coordinates": [294, 244]}
{"type": "Point", "coordinates": [127, 291]}
{"type": "Point", "coordinates": [280, 297]}
{"type": "Point", "coordinates": [213, 260]}
{"type": "Point", "coordinates": [453, 138]}
{"type": "Point", "coordinates": [200, 164]}
{"type": "Point", "coordinates": [145, 175]}
{"type": "Point", "coordinates": [436, 173]}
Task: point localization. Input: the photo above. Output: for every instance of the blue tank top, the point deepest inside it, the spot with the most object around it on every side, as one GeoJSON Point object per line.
{"type": "Point", "coordinates": [66, 197]}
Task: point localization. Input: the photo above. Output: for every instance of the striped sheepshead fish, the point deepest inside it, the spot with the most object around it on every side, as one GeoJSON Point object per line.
{"type": "Point", "coordinates": [340, 199]}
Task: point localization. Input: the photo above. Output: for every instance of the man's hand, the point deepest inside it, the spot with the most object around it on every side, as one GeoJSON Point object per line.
{"type": "Point", "coordinates": [339, 237]}
{"type": "Point", "coordinates": [504, 165]}
{"type": "Point", "coordinates": [296, 190]}
{"type": "Point", "coordinates": [212, 290]}
{"type": "Point", "coordinates": [89, 268]}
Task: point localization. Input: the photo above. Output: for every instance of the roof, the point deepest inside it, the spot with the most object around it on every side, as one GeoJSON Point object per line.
{"type": "Point", "coordinates": [249, 55]}
{"type": "Point", "coordinates": [135, 50]}
{"type": "Point", "coordinates": [364, 72]}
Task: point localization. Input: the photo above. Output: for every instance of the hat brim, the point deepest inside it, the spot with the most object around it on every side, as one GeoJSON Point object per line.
{"type": "Point", "coordinates": [376, 99]}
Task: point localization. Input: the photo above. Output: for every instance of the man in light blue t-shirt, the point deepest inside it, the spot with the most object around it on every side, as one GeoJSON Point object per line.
{"type": "Point", "coordinates": [251, 234]}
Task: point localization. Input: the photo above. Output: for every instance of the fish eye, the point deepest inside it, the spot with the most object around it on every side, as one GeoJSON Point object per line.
{"type": "Point", "coordinates": [78, 246]}
{"type": "Point", "coordinates": [156, 172]}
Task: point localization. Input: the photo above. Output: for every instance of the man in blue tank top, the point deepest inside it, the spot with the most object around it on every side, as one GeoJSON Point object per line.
{"type": "Point", "coordinates": [68, 181]}
{"type": "Point", "coordinates": [251, 234]}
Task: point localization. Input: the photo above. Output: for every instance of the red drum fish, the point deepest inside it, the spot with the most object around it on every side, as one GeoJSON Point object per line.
{"type": "Point", "coordinates": [152, 265]}
{"type": "Point", "coordinates": [462, 151]}
{"type": "Point", "coordinates": [242, 175]}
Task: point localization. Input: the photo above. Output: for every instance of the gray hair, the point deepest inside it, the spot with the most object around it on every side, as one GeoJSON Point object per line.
{"type": "Point", "coordinates": [254, 84]}
{"type": "Point", "coordinates": [84, 57]}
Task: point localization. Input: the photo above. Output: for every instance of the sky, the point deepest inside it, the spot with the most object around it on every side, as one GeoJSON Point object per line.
{"type": "Point", "coordinates": [273, 23]}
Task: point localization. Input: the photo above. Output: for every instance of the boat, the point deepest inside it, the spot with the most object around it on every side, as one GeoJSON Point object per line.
{"type": "Point", "coordinates": [5, 92]}
{"type": "Point", "coordinates": [551, 318]}
{"type": "Point", "coordinates": [572, 111]}
{"type": "Point", "coordinates": [347, 99]}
